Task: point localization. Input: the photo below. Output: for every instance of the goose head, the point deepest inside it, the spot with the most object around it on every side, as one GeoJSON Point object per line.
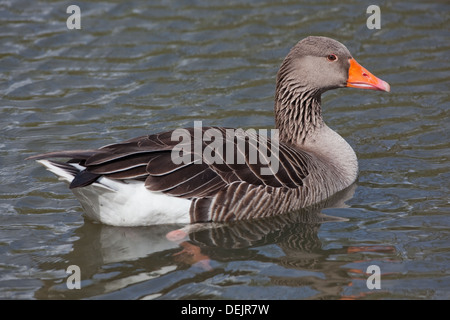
{"type": "Point", "coordinates": [317, 64]}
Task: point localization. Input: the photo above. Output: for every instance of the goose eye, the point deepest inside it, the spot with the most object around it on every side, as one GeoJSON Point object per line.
{"type": "Point", "coordinates": [332, 57]}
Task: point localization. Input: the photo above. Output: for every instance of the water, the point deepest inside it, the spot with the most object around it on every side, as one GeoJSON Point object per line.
{"type": "Point", "coordinates": [140, 67]}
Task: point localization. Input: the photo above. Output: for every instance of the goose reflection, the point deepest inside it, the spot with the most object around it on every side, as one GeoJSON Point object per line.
{"type": "Point", "coordinates": [113, 258]}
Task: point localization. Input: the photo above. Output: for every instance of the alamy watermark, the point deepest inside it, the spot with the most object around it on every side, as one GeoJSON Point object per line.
{"type": "Point", "coordinates": [235, 146]}
{"type": "Point", "coordinates": [374, 280]}
{"type": "Point", "coordinates": [74, 280]}
{"type": "Point", "coordinates": [374, 20]}
{"type": "Point", "coordinates": [74, 20]}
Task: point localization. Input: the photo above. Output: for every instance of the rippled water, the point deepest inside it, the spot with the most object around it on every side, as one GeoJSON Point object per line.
{"type": "Point", "coordinates": [139, 67]}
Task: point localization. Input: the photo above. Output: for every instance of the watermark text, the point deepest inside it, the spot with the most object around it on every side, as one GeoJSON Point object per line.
{"type": "Point", "coordinates": [74, 20]}
{"type": "Point", "coordinates": [234, 146]}
{"type": "Point", "coordinates": [374, 20]}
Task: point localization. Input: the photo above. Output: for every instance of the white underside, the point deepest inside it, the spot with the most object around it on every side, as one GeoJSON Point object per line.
{"type": "Point", "coordinates": [125, 203]}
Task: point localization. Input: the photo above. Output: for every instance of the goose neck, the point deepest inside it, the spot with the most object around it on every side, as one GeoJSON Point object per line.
{"type": "Point", "coordinates": [298, 113]}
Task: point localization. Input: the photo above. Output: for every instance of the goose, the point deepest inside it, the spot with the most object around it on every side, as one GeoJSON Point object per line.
{"type": "Point", "coordinates": [186, 176]}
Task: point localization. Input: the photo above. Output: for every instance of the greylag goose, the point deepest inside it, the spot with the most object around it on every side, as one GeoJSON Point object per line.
{"type": "Point", "coordinates": [204, 174]}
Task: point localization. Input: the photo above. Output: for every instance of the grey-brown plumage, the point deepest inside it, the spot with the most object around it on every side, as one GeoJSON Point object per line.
{"type": "Point", "coordinates": [314, 161]}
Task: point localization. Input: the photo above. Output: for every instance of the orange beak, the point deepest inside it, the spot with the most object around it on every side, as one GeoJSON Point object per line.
{"type": "Point", "coordinates": [359, 77]}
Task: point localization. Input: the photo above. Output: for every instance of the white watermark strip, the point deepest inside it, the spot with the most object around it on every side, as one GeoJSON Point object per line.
{"type": "Point", "coordinates": [236, 146]}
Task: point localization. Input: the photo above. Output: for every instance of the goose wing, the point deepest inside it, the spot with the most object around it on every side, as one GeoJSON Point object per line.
{"type": "Point", "coordinates": [220, 158]}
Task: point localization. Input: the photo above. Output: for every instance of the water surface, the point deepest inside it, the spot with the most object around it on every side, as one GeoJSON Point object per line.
{"type": "Point", "coordinates": [140, 67]}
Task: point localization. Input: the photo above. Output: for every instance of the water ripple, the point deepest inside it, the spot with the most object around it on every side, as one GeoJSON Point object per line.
{"type": "Point", "coordinates": [137, 67]}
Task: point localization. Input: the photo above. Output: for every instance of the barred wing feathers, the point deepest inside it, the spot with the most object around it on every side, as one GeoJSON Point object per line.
{"type": "Point", "coordinates": [230, 187]}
